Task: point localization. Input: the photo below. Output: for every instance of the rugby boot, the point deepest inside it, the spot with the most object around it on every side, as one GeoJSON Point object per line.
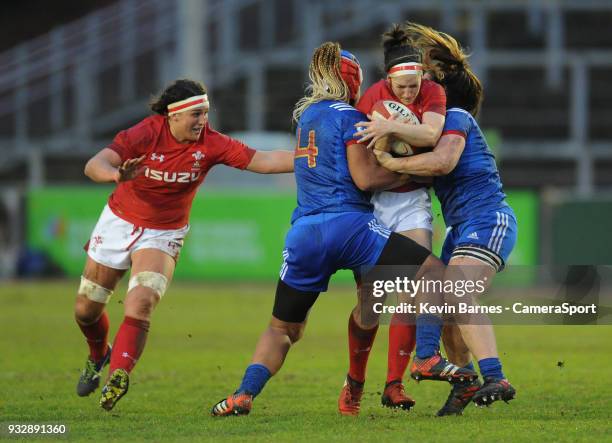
{"type": "Point", "coordinates": [239, 403]}
{"type": "Point", "coordinates": [115, 388]}
{"type": "Point", "coordinates": [349, 401]}
{"type": "Point", "coordinates": [438, 368]}
{"type": "Point", "coordinates": [460, 396]}
{"type": "Point", "coordinates": [394, 396]}
{"type": "Point", "coordinates": [90, 377]}
{"type": "Point", "coordinates": [492, 390]}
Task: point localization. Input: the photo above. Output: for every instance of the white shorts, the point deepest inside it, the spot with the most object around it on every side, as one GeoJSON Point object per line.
{"type": "Point", "coordinates": [113, 240]}
{"type": "Point", "coordinates": [403, 211]}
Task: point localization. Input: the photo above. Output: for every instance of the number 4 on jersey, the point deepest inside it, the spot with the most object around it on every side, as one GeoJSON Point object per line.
{"type": "Point", "coordinates": [310, 151]}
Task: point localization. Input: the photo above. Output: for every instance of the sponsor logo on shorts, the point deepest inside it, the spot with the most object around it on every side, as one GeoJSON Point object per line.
{"type": "Point", "coordinates": [96, 241]}
{"type": "Point", "coordinates": [173, 247]}
{"type": "Point", "coordinates": [474, 236]}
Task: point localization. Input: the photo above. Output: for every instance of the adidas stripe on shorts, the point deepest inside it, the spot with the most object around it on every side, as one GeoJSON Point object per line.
{"type": "Point", "coordinates": [488, 237]}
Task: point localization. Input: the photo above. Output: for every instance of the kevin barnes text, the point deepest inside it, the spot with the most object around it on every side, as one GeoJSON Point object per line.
{"type": "Point", "coordinates": [466, 308]}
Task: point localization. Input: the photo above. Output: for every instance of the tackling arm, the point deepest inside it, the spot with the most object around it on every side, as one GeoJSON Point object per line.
{"type": "Point", "coordinates": [423, 135]}
{"type": "Point", "coordinates": [441, 161]}
{"type": "Point", "coordinates": [106, 167]}
{"type": "Point", "coordinates": [271, 162]}
{"type": "Point", "coordinates": [367, 174]}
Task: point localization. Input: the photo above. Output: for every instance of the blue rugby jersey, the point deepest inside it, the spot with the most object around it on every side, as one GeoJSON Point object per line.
{"type": "Point", "coordinates": [324, 184]}
{"type": "Point", "coordinates": [474, 186]}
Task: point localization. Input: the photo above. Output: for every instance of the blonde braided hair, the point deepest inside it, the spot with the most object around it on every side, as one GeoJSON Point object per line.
{"type": "Point", "coordinates": [326, 82]}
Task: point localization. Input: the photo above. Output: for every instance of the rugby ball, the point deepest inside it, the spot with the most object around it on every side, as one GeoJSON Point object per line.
{"type": "Point", "coordinates": [383, 110]}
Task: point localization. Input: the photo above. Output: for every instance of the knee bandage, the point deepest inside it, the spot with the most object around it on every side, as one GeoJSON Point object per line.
{"type": "Point", "coordinates": [152, 280]}
{"type": "Point", "coordinates": [479, 253]}
{"type": "Point", "coordinates": [94, 291]}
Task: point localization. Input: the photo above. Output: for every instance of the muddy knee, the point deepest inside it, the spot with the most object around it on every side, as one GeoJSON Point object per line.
{"type": "Point", "coordinates": [145, 289]}
{"type": "Point", "coordinates": [90, 302]}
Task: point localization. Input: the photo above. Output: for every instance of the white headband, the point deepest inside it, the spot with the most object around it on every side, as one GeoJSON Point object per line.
{"type": "Point", "coordinates": [410, 68]}
{"type": "Point", "coordinates": [189, 103]}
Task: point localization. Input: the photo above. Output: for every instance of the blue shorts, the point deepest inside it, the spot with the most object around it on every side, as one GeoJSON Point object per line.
{"type": "Point", "coordinates": [318, 245]}
{"type": "Point", "coordinates": [489, 237]}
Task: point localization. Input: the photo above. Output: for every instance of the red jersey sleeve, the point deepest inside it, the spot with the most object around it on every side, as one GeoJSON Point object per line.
{"type": "Point", "coordinates": [434, 98]}
{"type": "Point", "coordinates": [132, 142]}
{"type": "Point", "coordinates": [230, 151]}
{"type": "Point", "coordinates": [369, 98]}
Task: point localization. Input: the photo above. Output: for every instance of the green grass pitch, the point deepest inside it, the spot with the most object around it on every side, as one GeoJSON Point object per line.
{"type": "Point", "coordinates": [202, 337]}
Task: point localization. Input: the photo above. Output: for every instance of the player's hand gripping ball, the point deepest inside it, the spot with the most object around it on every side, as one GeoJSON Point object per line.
{"type": "Point", "coordinates": [384, 110]}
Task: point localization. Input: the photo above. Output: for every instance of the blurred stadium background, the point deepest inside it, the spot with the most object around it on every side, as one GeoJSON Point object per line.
{"type": "Point", "coordinates": [73, 76]}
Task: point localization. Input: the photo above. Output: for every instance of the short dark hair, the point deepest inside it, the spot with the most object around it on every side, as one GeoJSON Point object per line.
{"type": "Point", "coordinates": [177, 91]}
{"type": "Point", "coordinates": [398, 48]}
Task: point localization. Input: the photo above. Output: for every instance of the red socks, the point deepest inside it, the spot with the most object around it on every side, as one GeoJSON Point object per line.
{"type": "Point", "coordinates": [402, 338]}
{"type": "Point", "coordinates": [97, 337]}
{"type": "Point", "coordinates": [129, 343]}
{"type": "Point", "coordinates": [360, 344]}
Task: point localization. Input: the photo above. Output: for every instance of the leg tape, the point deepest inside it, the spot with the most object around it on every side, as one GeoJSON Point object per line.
{"type": "Point", "coordinates": [152, 280]}
{"type": "Point", "coordinates": [94, 291]}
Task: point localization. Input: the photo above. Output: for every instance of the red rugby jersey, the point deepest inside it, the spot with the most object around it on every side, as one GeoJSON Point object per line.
{"type": "Point", "coordinates": [431, 98]}
{"type": "Point", "coordinates": [161, 197]}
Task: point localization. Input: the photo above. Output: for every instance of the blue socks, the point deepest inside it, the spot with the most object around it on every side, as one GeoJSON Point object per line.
{"type": "Point", "coordinates": [254, 380]}
{"type": "Point", "coordinates": [491, 367]}
{"type": "Point", "coordinates": [428, 333]}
